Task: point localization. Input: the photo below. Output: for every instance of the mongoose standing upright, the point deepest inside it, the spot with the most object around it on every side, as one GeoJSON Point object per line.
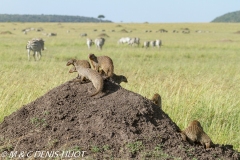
{"type": "Point", "coordinates": [92, 75]}
{"type": "Point", "coordinates": [157, 100]}
{"type": "Point", "coordinates": [102, 63]}
{"type": "Point", "coordinates": [194, 133]}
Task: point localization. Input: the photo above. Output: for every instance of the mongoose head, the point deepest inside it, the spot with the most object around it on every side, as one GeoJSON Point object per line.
{"type": "Point", "coordinates": [73, 69]}
{"type": "Point", "coordinates": [92, 56]}
{"type": "Point", "coordinates": [71, 61]}
{"type": "Point", "coordinates": [156, 98]}
{"type": "Point", "coordinates": [42, 42]}
{"type": "Point", "coordinates": [123, 79]}
{"type": "Point", "coordinates": [196, 123]}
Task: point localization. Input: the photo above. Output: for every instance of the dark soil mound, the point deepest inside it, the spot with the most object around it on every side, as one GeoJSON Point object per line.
{"type": "Point", "coordinates": [124, 31]}
{"type": "Point", "coordinates": [103, 35]}
{"type": "Point", "coordinates": [6, 32]}
{"type": "Point", "coordinates": [115, 124]}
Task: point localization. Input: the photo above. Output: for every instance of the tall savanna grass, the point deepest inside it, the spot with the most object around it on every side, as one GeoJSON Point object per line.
{"type": "Point", "coordinates": [196, 74]}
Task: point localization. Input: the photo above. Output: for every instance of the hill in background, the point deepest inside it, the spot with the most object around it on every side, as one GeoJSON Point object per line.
{"type": "Point", "coordinates": [229, 17]}
{"type": "Point", "coordinates": [46, 18]}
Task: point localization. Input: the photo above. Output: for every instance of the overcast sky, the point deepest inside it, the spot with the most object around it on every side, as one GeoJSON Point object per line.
{"type": "Point", "coordinates": [153, 11]}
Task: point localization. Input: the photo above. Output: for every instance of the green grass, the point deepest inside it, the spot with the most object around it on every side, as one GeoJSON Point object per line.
{"type": "Point", "coordinates": [196, 74]}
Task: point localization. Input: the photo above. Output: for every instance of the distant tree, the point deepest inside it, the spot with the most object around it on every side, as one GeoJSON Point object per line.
{"type": "Point", "coordinates": [100, 17]}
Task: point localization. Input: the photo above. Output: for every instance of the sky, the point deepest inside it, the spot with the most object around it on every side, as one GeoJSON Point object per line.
{"type": "Point", "coordinates": [127, 11]}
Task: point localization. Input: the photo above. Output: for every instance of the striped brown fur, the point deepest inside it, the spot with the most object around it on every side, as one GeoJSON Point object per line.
{"type": "Point", "coordinates": [102, 64]}
{"type": "Point", "coordinates": [194, 133]}
{"type": "Point", "coordinates": [157, 100]}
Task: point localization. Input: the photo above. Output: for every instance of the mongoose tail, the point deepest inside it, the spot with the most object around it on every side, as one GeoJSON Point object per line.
{"type": "Point", "coordinates": [98, 90]}
{"type": "Point", "coordinates": [95, 93]}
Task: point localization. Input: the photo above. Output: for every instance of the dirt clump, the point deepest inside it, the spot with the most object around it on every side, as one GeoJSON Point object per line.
{"type": "Point", "coordinates": [103, 35]}
{"type": "Point", "coordinates": [117, 124]}
{"type": "Point", "coordinates": [124, 31]}
{"type": "Point", "coordinates": [6, 32]}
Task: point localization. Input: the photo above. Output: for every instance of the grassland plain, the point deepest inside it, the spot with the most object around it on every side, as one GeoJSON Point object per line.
{"type": "Point", "coordinates": [196, 74]}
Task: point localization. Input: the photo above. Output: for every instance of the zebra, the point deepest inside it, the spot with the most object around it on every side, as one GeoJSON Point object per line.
{"type": "Point", "coordinates": [99, 42]}
{"type": "Point", "coordinates": [83, 35]}
{"type": "Point", "coordinates": [134, 40]}
{"type": "Point", "coordinates": [146, 44]}
{"type": "Point", "coordinates": [137, 41]}
{"type": "Point", "coordinates": [152, 43]}
{"type": "Point", "coordinates": [35, 45]}
{"type": "Point", "coordinates": [51, 34]}
{"type": "Point", "coordinates": [158, 43]}
{"type": "Point", "coordinates": [89, 43]}
{"type": "Point", "coordinates": [124, 40]}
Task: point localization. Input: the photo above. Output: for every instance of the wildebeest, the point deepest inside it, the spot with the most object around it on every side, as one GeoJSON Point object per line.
{"type": "Point", "coordinates": [35, 45]}
{"type": "Point", "coordinates": [163, 31]}
{"type": "Point", "coordinates": [99, 42]}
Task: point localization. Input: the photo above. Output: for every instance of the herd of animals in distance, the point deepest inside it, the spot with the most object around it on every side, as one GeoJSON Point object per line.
{"type": "Point", "coordinates": [101, 68]}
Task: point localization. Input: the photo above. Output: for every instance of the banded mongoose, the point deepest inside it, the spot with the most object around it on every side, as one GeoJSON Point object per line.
{"type": "Point", "coordinates": [83, 63]}
{"type": "Point", "coordinates": [102, 63]}
{"type": "Point", "coordinates": [119, 78]}
{"type": "Point", "coordinates": [75, 62]}
{"type": "Point", "coordinates": [157, 100]}
{"type": "Point", "coordinates": [194, 133]}
{"type": "Point", "coordinates": [90, 74]}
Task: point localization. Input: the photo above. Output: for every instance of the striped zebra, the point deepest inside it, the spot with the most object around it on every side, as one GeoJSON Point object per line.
{"type": "Point", "coordinates": [99, 42]}
{"type": "Point", "coordinates": [152, 43]}
{"type": "Point", "coordinates": [158, 43]}
{"type": "Point", "coordinates": [137, 41]}
{"type": "Point", "coordinates": [35, 45]}
{"type": "Point", "coordinates": [124, 40]}
{"type": "Point", "coordinates": [146, 44]}
{"type": "Point", "coordinates": [134, 40]}
{"type": "Point", "coordinates": [83, 35]}
{"type": "Point", "coordinates": [89, 43]}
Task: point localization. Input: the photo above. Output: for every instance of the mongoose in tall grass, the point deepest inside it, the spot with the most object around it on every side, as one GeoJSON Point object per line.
{"type": "Point", "coordinates": [157, 100]}
{"type": "Point", "coordinates": [83, 63]}
{"type": "Point", "coordinates": [194, 133]}
{"type": "Point", "coordinates": [102, 64]}
{"type": "Point", "coordinates": [90, 74]}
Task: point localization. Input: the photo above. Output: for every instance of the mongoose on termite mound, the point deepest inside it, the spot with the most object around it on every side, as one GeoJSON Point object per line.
{"type": "Point", "coordinates": [102, 63]}
{"type": "Point", "coordinates": [194, 133]}
{"type": "Point", "coordinates": [92, 75]}
{"type": "Point", "coordinates": [157, 100]}
{"type": "Point", "coordinates": [83, 63]}
{"type": "Point", "coordinates": [119, 78]}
